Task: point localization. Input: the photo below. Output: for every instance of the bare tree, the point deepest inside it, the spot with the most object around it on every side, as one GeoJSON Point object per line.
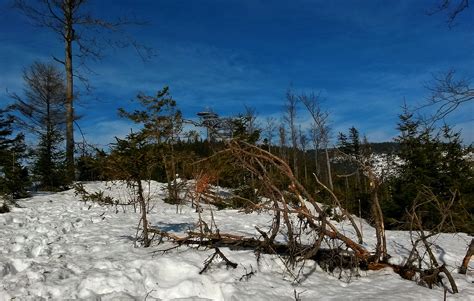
{"type": "Point", "coordinates": [75, 26]}
{"type": "Point", "coordinates": [42, 111]}
{"type": "Point", "coordinates": [453, 8]}
{"type": "Point", "coordinates": [251, 116]}
{"type": "Point", "coordinates": [316, 140]}
{"type": "Point", "coordinates": [43, 103]}
{"type": "Point", "coordinates": [282, 138]}
{"type": "Point", "coordinates": [377, 214]}
{"type": "Point", "coordinates": [320, 128]}
{"type": "Point", "coordinates": [269, 130]}
{"type": "Point", "coordinates": [304, 146]}
{"type": "Point", "coordinates": [447, 94]}
{"type": "Point", "coordinates": [290, 120]}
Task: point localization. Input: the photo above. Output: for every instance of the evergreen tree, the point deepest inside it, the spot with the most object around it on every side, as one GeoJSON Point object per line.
{"type": "Point", "coordinates": [13, 176]}
{"type": "Point", "coordinates": [162, 124]}
{"type": "Point", "coordinates": [434, 164]}
{"type": "Point", "coordinates": [242, 129]}
{"type": "Point", "coordinates": [132, 160]}
{"type": "Point", "coordinates": [90, 165]}
{"type": "Point", "coordinates": [350, 144]}
{"type": "Point", "coordinates": [160, 117]}
{"type": "Point", "coordinates": [458, 174]}
{"type": "Point", "coordinates": [354, 188]}
{"type": "Point", "coordinates": [48, 167]}
{"type": "Point", "coordinates": [454, 158]}
{"type": "Point", "coordinates": [355, 142]}
{"type": "Point", "coordinates": [343, 143]}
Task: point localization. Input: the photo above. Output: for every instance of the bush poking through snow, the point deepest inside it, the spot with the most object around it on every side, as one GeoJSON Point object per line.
{"type": "Point", "coordinates": [3, 206]}
{"type": "Point", "coordinates": [96, 197]}
{"type": "Point", "coordinates": [422, 262]}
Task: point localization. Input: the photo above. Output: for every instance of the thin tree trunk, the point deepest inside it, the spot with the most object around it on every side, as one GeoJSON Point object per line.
{"type": "Point", "coordinates": [141, 200]}
{"type": "Point", "coordinates": [305, 168]}
{"type": "Point", "coordinates": [173, 174]}
{"type": "Point", "coordinates": [68, 17]}
{"type": "Point", "coordinates": [467, 258]}
{"type": "Point", "coordinates": [49, 147]}
{"type": "Point", "coordinates": [328, 164]}
{"type": "Point", "coordinates": [295, 161]}
{"type": "Point", "coordinates": [358, 181]}
{"type": "Point", "coordinates": [316, 164]}
{"type": "Point", "coordinates": [381, 248]}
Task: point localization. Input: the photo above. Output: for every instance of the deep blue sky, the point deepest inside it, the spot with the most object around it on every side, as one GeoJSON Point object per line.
{"type": "Point", "coordinates": [365, 57]}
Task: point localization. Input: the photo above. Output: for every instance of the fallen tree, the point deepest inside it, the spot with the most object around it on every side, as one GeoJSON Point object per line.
{"type": "Point", "coordinates": [310, 233]}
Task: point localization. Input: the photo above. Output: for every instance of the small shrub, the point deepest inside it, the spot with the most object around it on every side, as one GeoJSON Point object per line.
{"type": "Point", "coordinates": [244, 197]}
{"type": "Point", "coordinates": [4, 208]}
{"type": "Point", "coordinates": [96, 197]}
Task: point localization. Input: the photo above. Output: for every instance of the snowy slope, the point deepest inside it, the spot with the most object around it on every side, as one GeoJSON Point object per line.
{"type": "Point", "coordinates": [57, 247]}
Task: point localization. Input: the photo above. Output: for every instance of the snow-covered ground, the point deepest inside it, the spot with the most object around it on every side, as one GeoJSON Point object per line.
{"type": "Point", "coordinates": [56, 247]}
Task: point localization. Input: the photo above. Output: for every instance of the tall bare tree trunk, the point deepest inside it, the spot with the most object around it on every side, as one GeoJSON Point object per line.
{"type": "Point", "coordinates": [69, 31]}
{"type": "Point", "coordinates": [316, 162]}
{"type": "Point", "coordinates": [328, 165]}
{"type": "Point", "coordinates": [381, 247]}
{"type": "Point", "coordinates": [64, 18]}
{"type": "Point", "coordinates": [305, 168]}
{"type": "Point", "coordinates": [290, 118]}
{"type": "Point", "coordinates": [295, 161]}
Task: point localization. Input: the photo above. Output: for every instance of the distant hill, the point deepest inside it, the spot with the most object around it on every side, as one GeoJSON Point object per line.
{"type": "Point", "coordinates": [383, 147]}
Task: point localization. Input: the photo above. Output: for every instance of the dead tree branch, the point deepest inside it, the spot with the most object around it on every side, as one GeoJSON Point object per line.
{"type": "Point", "coordinates": [467, 258]}
{"type": "Point", "coordinates": [218, 253]}
{"type": "Point", "coordinates": [429, 276]}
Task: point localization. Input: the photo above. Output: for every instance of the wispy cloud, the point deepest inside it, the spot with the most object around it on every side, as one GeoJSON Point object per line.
{"type": "Point", "coordinates": [249, 52]}
{"type": "Point", "coordinates": [102, 133]}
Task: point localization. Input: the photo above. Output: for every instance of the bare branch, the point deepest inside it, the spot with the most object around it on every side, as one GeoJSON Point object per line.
{"type": "Point", "coordinates": [447, 94]}
{"type": "Point", "coordinates": [453, 8]}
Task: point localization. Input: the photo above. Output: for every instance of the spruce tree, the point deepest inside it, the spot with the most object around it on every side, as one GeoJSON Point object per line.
{"type": "Point", "coordinates": [435, 162]}
{"type": "Point", "coordinates": [48, 165]}
{"type": "Point", "coordinates": [350, 144]}
{"type": "Point", "coordinates": [343, 143]}
{"type": "Point", "coordinates": [418, 154]}
{"type": "Point", "coordinates": [13, 176]}
{"type": "Point", "coordinates": [162, 124]}
{"type": "Point", "coordinates": [354, 139]}
{"type": "Point", "coordinates": [132, 160]}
